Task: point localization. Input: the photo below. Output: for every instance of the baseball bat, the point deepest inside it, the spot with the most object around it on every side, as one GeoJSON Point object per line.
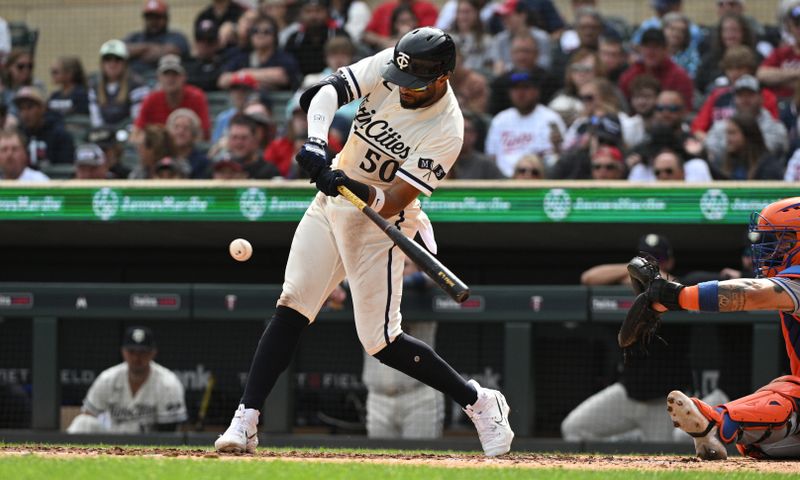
{"type": "Point", "coordinates": [441, 275]}
{"type": "Point", "coordinates": [206, 400]}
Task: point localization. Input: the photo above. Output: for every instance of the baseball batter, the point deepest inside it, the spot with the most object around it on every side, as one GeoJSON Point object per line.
{"type": "Point", "coordinates": [763, 424]}
{"type": "Point", "coordinates": [136, 396]}
{"type": "Point", "coordinates": [405, 137]}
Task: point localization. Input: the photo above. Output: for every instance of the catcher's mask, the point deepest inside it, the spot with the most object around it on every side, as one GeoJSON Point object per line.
{"type": "Point", "coordinates": [773, 233]}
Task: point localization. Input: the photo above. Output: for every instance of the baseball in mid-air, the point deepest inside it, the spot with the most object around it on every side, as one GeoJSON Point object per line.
{"type": "Point", "coordinates": [240, 249]}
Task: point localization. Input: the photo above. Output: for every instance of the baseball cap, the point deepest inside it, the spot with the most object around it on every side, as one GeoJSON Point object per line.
{"type": "Point", "coordinates": [89, 154]}
{"type": "Point", "coordinates": [29, 93]}
{"type": "Point", "coordinates": [155, 6]}
{"type": "Point", "coordinates": [511, 6]}
{"type": "Point", "coordinates": [747, 82]}
{"type": "Point", "coordinates": [656, 245]}
{"type": "Point", "coordinates": [606, 128]}
{"type": "Point", "coordinates": [170, 63]}
{"type": "Point", "coordinates": [102, 136]}
{"type": "Point", "coordinates": [206, 30]}
{"type": "Point", "coordinates": [114, 47]}
{"type": "Point", "coordinates": [224, 160]}
{"type": "Point", "coordinates": [139, 338]}
{"type": "Point", "coordinates": [661, 5]}
{"type": "Point", "coordinates": [653, 36]}
{"type": "Point", "coordinates": [243, 80]}
{"type": "Point", "coordinates": [169, 163]}
{"type": "Point", "coordinates": [523, 77]}
{"type": "Point", "coordinates": [610, 151]}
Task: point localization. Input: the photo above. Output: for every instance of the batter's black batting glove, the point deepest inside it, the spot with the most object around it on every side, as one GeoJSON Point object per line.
{"type": "Point", "coordinates": [328, 180]}
{"type": "Point", "coordinates": [313, 157]}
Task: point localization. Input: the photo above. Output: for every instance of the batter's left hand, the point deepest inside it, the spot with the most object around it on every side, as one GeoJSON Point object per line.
{"type": "Point", "coordinates": [328, 181]}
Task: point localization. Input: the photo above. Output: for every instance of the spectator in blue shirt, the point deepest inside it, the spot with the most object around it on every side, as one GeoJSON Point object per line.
{"type": "Point", "coordinates": [146, 47]}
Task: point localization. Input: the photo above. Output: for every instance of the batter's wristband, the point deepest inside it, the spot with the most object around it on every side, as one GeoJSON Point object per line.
{"type": "Point", "coordinates": [708, 293]}
{"type": "Point", "coordinates": [379, 200]}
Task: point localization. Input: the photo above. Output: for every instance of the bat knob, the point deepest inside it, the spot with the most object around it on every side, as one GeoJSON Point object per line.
{"type": "Point", "coordinates": [462, 296]}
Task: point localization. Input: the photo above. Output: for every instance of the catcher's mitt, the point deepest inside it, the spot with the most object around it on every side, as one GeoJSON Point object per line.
{"type": "Point", "coordinates": [642, 321]}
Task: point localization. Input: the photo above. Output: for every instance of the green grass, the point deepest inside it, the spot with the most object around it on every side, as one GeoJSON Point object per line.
{"type": "Point", "coordinates": [102, 467]}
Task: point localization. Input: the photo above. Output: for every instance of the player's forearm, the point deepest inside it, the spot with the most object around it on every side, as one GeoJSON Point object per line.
{"type": "Point", "coordinates": [737, 295]}
{"type": "Point", "coordinates": [321, 111]}
{"type": "Point", "coordinates": [608, 274]}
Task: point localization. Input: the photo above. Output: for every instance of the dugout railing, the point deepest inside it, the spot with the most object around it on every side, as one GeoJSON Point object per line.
{"type": "Point", "coordinates": [57, 321]}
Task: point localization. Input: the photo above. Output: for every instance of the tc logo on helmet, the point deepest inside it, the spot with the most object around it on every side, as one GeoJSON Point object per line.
{"type": "Point", "coordinates": [402, 60]}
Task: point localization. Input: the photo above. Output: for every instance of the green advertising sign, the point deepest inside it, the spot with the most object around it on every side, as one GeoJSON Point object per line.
{"type": "Point", "coordinates": [287, 202]}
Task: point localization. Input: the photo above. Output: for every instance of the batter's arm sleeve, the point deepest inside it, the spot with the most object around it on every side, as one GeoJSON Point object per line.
{"type": "Point", "coordinates": [425, 168]}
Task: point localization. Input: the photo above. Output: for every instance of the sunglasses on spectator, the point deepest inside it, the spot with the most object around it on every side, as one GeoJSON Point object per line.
{"type": "Point", "coordinates": [581, 68]}
{"type": "Point", "coordinates": [607, 166]}
{"type": "Point", "coordinates": [23, 66]}
{"type": "Point", "coordinates": [262, 31]}
{"type": "Point", "coordinates": [669, 108]}
{"type": "Point", "coordinates": [112, 58]}
{"type": "Point", "coordinates": [665, 171]}
{"type": "Point", "coordinates": [587, 98]}
{"type": "Point", "coordinates": [530, 171]}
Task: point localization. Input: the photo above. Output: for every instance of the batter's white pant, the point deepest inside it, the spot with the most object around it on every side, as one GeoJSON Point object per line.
{"type": "Point", "coordinates": [416, 413]}
{"type": "Point", "coordinates": [611, 412]}
{"type": "Point", "coordinates": [333, 240]}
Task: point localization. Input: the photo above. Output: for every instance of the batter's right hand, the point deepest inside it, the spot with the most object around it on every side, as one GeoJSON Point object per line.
{"type": "Point", "coordinates": [313, 157]}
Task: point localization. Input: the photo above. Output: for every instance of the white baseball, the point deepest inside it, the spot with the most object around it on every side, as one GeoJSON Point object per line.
{"type": "Point", "coordinates": [240, 249]}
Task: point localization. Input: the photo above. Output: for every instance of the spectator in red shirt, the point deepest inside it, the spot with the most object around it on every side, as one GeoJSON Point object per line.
{"type": "Point", "coordinates": [737, 62]}
{"type": "Point", "coordinates": [173, 94]}
{"type": "Point", "coordinates": [781, 70]}
{"type": "Point", "coordinates": [379, 27]}
{"type": "Point", "coordinates": [654, 59]}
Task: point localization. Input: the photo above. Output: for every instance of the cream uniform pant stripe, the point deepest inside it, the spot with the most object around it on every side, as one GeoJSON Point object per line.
{"type": "Point", "coordinates": [334, 240]}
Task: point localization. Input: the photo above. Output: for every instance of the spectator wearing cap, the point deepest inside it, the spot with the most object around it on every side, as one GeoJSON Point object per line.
{"type": "Point", "coordinates": [379, 27]}
{"type": "Point", "coordinates": [116, 93]}
{"type": "Point", "coordinates": [608, 164]}
{"type": "Point", "coordinates": [135, 396]}
{"type": "Point", "coordinates": [72, 96]}
{"type": "Point", "coordinates": [48, 141]}
{"type": "Point", "coordinates": [220, 12]}
{"type": "Point", "coordinates": [14, 160]}
{"type": "Point", "coordinates": [780, 71]}
{"type": "Point", "coordinates": [516, 18]}
{"type": "Point", "coordinates": [173, 93]}
{"type": "Point", "coordinates": [241, 88]}
{"type": "Point", "coordinates": [747, 100]}
{"type": "Point", "coordinates": [267, 63]}
{"type": "Point", "coordinates": [110, 141]}
{"type": "Point", "coordinates": [576, 163]}
{"type": "Point", "coordinates": [169, 168]}
{"type": "Point", "coordinates": [225, 168]}
{"type": "Point", "coordinates": [654, 60]}
{"type": "Point", "coordinates": [155, 144]}
{"type": "Point", "coordinates": [244, 148]}
{"type": "Point", "coordinates": [205, 67]}
{"type": "Point", "coordinates": [17, 72]}
{"type": "Point", "coordinates": [662, 8]}
{"type": "Point", "coordinates": [472, 164]}
{"type": "Point", "coordinates": [524, 55]}
{"type": "Point", "coordinates": [155, 41]}
{"type": "Point", "coordinates": [737, 62]}
{"type": "Point", "coordinates": [316, 29]}
{"type": "Point", "coordinates": [526, 127]}
{"type": "Point", "coordinates": [185, 129]}
{"type": "Point", "coordinates": [90, 163]}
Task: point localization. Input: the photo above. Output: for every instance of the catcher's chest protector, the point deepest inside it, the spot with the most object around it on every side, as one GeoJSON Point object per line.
{"type": "Point", "coordinates": [790, 327]}
{"type": "Point", "coordinates": [770, 407]}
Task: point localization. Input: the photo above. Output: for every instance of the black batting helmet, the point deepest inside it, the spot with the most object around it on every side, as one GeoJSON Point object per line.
{"type": "Point", "coordinates": [420, 57]}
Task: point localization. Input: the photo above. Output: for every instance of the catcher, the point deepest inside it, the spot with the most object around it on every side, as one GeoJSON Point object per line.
{"type": "Point", "coordinates": [763, 424]}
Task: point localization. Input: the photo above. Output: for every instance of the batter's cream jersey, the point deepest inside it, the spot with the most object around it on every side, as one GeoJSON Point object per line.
{"type": "Point", "coordinates": [159, 400]}
{"type": "Point", "coordinates": [387, 140]}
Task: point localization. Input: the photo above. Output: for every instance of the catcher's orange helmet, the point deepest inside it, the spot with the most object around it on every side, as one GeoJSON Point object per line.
{"type": "Point", "coordinates": [773, 232]}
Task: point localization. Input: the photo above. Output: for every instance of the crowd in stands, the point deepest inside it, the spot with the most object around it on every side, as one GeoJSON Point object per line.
{"type": "Point", "coordinates": [544, 96]}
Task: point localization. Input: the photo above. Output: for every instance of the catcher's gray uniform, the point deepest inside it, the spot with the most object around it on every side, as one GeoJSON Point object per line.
{"type": "Point", "coordinates": [335, 239]}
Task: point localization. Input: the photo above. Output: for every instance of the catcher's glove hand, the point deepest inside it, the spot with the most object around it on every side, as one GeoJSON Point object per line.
{"type": "Point", "coordinates": [642, 321]}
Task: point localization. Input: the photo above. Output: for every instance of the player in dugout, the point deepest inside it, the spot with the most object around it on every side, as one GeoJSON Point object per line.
{"type": "Point", "coordinates": [405, 137]}
{"type": "Point", "coordinates": [765, 423]}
